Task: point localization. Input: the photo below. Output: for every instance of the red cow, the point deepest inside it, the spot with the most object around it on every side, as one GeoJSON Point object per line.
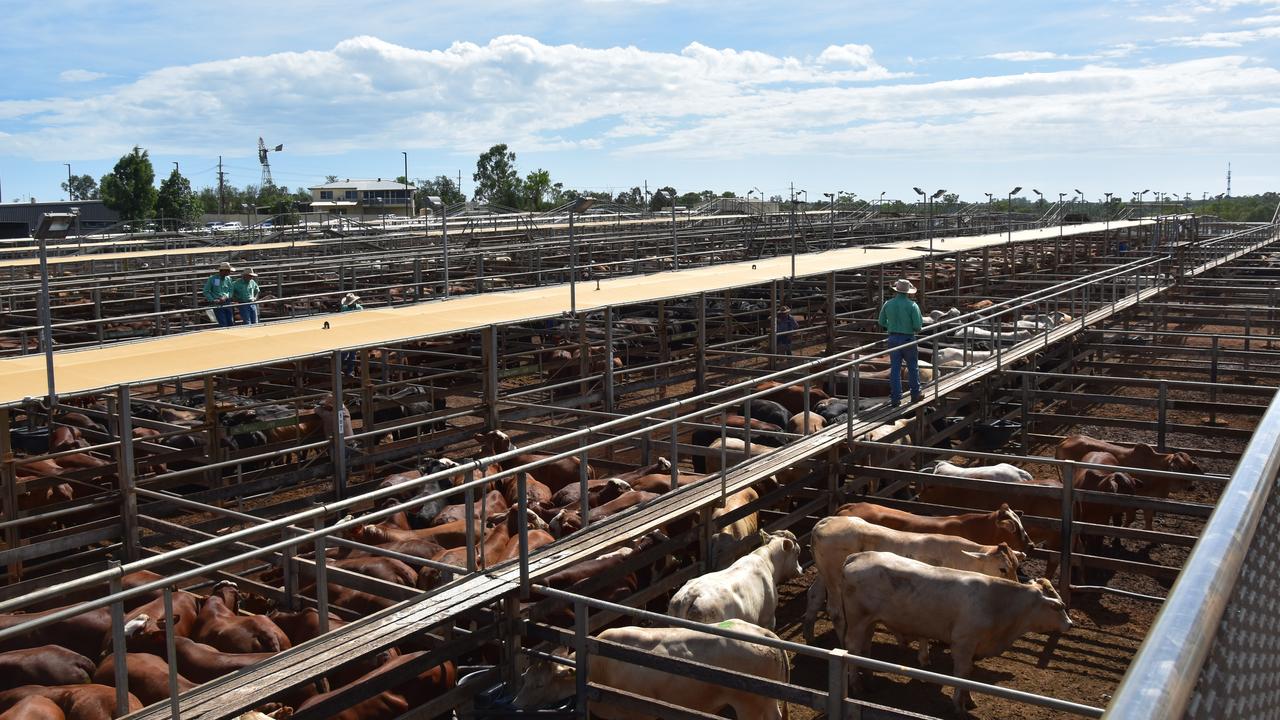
{"type": "Point", "coordinates": [44, 665]}
{"type": "Point", "coordinates": [554, 475]}
{"type": "Point", "coordinates": [77, 702]}
{"type": "Point", "coordinates": [148, 676]}
{"type": "Point", "coordinates": [999, 526]}
{"type": "Point", "coordinates": [219, 624]}
{"type": "Point", "coordinates": [1076, 447]}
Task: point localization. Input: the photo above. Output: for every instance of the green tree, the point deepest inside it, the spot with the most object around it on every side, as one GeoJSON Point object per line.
{"type": "Point", "coordinates": [536, 186]}
{"type": "Point", "coordinates": [441, 186]}
{"type": "Point", "coordinates": [81, 187]}
{"type": "Point", "coordinates": [130, 187]}
{"type": "Point", "coordinates": [661, 197]}
{"type": "Point", "coordinates": [497, 179]}
{"type": "Point", "coordinates": [330, 179]}
{"type": "Point", "coordinates": [175, 201]}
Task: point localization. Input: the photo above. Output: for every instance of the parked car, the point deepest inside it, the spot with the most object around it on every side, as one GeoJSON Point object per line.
{"type": "Point", "coordinates": [233, 226]}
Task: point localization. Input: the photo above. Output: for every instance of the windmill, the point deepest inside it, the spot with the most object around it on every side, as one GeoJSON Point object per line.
{"type": "Point", "coordinates": [266, 164]}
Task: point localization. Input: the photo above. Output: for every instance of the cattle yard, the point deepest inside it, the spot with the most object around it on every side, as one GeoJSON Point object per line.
{"type": "Point", "coordinates": [510, 552]}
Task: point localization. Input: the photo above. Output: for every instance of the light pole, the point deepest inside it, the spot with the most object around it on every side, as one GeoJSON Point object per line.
{"type": "Point", "coordinates": [831, 231]}
{"type": "Point", "coordinates": [53, 226]}
{"type": "Point", "coordinates": [880, 206]}
{"type": "Point", "coordinates": [582, 204]}
{"type": "Point", "coordinates": [408, 197]}
{"type": "Point", "coordinates": [795, 202]}
{"type": "Point", "coordinates": [1106, 213]}
{"type": "Point", "coordinates": [1039, 195]}
{"type": "Point", "coordinates": [1009, 211]}
{"type": "Point", "coordinates": [1062, 212]}
{"type": "Point", "coordinates": [1144, 192]}
{"type": "Point", "coordinates": [437, 204]}
{"type": "Point", "coordinates": [675, 242]}
{"type": "Point", "coordinates": [70, 192]}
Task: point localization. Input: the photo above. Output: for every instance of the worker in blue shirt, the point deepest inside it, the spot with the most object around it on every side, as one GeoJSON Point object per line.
{"type": "Point", "coordinates": [217, 290]}
{"type": "Point", "coordinates": [786, 324]}
{"type": "Point", "coordinates": [901, 317]}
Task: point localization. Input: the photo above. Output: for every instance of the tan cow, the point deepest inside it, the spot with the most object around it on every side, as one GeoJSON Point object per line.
{"type": "Point", "coordinates": [747, 589]}
{"type": "Point", "coordinates": [835, 538]}
{"type": "Point", "coordinates": [977, 615]}
{"type": "Point", "coordinates": [546, 682]}
{"type": "Point", "coordinates": [806, 423]}
{"type": "Point", "coordinates": [727, 545]}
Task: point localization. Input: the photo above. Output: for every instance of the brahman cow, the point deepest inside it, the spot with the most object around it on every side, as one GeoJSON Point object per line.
{"type": "Point", "coordinates": [998, 526]}
{"type": "Point", "coordinates": [77, 702]}
{"type": "Point", "coordinates": [546, 682]}
{"type": "Point", "coordinates": [148, 676]}
{"type": "Point", "coordinates": [977, 615]}
{"type": "Point", "coordinates": [728, 543]}
{"type": "Point", "coordinates": [221, 625]}
{"type": "Point", "coordinates": [746, 590]}
{"type": "Point", "coordinates": [44, 665]}
{"type": "Point", "coordinates": [1002, 472]}
{"type": "Point", "coordinates": [554, 475]}
{"type": "Point", "coordinates": [1142, 455]}
{"type": "Point", "coordinates": [34, 707]}
{"type": "Point", "coordinates": [791, 397]}
{"type": "Point", "coordinates": [835, 538]}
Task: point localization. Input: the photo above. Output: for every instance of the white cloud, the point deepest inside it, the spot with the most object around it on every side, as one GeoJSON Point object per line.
{"type": "Point", "coordinates": [700, 102]}
{"type": "Point", "coordinates": [1173, 18]}
{"type": "Point", "coordinates": [79, 76]}
{"type": "Point", "coordinates": [1028, 56]}
{"type": "Point", "coordinates": [1235, 38]}
{"type": "Point", "coordinates": [1261, 20]}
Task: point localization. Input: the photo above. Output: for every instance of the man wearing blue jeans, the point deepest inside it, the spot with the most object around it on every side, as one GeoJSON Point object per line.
{"type": "Point", "coordinates": [901, 317]}
{"type": "Point", "coordinates": [217, 291]}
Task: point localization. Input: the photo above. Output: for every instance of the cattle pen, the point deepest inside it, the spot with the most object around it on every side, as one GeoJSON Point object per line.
{"type": "Point", "coordinates": [201, 456]}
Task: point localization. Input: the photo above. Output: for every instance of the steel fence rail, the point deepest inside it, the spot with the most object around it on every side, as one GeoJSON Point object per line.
{"type": "Point", "coordinates": [1170, 678]}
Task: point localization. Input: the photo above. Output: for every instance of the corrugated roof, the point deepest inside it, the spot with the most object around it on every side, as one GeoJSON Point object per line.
{"type": "Point", "coordinates": [362, 185]}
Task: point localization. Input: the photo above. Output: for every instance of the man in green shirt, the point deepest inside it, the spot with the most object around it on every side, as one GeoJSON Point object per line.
{"type": "Point", "coordinates": [217, 290]}
{"type": "Point", "coordinates": [244, 292]}
{"type": "Point", "coordinates": [349, 302]}
{"type": "Point", "coordinates": [901, 317]}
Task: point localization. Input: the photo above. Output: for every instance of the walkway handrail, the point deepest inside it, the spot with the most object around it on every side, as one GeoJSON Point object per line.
{"type": "Point", "coordinates": [1162, 677]}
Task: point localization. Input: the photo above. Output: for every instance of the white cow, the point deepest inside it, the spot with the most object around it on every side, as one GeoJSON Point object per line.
{"type": "Point", "coordinates": [546, 682]}
{"type": "Point", "coordinates": [1003, 472]}
{"type": "Point", "coordinates": [835, 538]}
{"type": "Point", "coordinates": [982, 334]}
{"type": "Point", "coordinates": [746, 590]}
{"type": "Point", "coordinates": [956, 357]}
{"type": "Point", "coordinates": [977, 615]}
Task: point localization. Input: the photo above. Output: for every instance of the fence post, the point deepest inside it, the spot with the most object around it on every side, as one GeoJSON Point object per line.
{"type": "Point", "coordinates": [322, 576]}
{"type": "Point", "coordinates": [522, 487]}
{"type": "Point", "coordinates": [581, 662]}
{"type": "Point", "coordinates": [1162, 415]}
{"type": "Point", "coordinates": [470, 503]}
{"type": "Point", "coordinates": [837, 684]}
{"type": "Point", "coordinates": [118, 650]}
{"type": "Point", "coordinates": [1068, 506]}
{"type": "Point", "coordinates": [175, 709]}
{"type": "Point", "coordinates": [125, 474]}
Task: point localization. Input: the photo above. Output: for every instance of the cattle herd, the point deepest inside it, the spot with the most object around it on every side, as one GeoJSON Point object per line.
{"type": "Point", "coordinates": [957, 580]}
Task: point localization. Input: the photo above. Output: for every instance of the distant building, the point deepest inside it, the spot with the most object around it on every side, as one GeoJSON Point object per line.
{"type": "Point", "coordinates": [18, 220]}
{"type": "Point", "coordinates": [363, 198]}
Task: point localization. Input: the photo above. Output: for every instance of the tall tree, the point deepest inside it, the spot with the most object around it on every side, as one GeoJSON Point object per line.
{"type": "Point", "coordinates": [661, 197]}
{"type": "Point", "coordinates": [536, 186]}
{"type": "Point", "coordinates": [130, 187]}
{"type": "Point", "coordinates": [175, 200]}
{"type": "Point", "coordinates": [81, 187]}
{"type": "Point", "coordinates": [496, 177]}
{"type": "Point", "coordinates": [442, 186]}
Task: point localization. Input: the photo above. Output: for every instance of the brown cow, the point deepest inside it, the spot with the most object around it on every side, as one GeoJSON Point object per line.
{"type": "Point", "coordinates": [599, 492]}
{"type": "Point", "coordinates": [44, 665]}
{"type": "Point", "coordinates": [493, 504]}
{"type": "Point", "coordinates": [82, 633]}
{"type": "Point", "coordinates": [220, 625]}
{"type": "Point", "coordinates": [302, 625]}
{"type": "Point", "coordinates": [554, 475]}
{"type": "Point", "coordinates": [34, 707]}
{"type": "Point", "coordinates": [998, 526]}
{"type": "Point", "coordinates": [77, 702]}
{"type": "Point", "coordinates": [569, 521]}
{"type": "Point", "coordinates": [148, 676]}
{"type": "Point", "coordinates": [449, 535]}
{"type": "Point", "coordinates": [791, 397]}
{"type": "Point", "coordinates": [1047, 507]}
{"type": "Point", "coordinates": [397, 701]}
{"type": "Point", "coordinates": [1076, 447]}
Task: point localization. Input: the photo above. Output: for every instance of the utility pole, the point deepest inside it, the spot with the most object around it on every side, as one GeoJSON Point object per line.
{"type": "Point", "coordinates": [222, 195]}
{"type": "Point", "coordinates": [70, 193]}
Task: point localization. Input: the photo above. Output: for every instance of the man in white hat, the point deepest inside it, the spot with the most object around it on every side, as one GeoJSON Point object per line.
{"type": "Point", "coordinates": [244, 292]}
{"type": "Point", "coordinates": [901, 317]}
{"type": "Point", "coordinates": [349, 302]}
{"type": "Point", "coordinates": [217, 290]}
{"type": "Point", "coordinates": [786, 325]}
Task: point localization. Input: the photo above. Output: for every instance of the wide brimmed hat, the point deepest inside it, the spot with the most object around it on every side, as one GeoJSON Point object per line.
{"type": "Point", "coordinates": [904, 286]}
{"type": "Point", "coordinates": [249, 272]}
{"type": "Point", "coordinates": [226, 266]}
{"type": "Point", "coordinates": [350, 299]}
{"type": "Point", "coordinates": [785, 309]}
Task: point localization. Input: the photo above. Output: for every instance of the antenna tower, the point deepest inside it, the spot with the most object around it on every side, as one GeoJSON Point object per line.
{"type": "Point", "coordinates": [266, 164]}
{"type": "Point", "coordinates": [1228, 179]}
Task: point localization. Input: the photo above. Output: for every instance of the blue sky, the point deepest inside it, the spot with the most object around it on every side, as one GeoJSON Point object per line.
{"type": "Point", "coordinates": [864, 97]}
